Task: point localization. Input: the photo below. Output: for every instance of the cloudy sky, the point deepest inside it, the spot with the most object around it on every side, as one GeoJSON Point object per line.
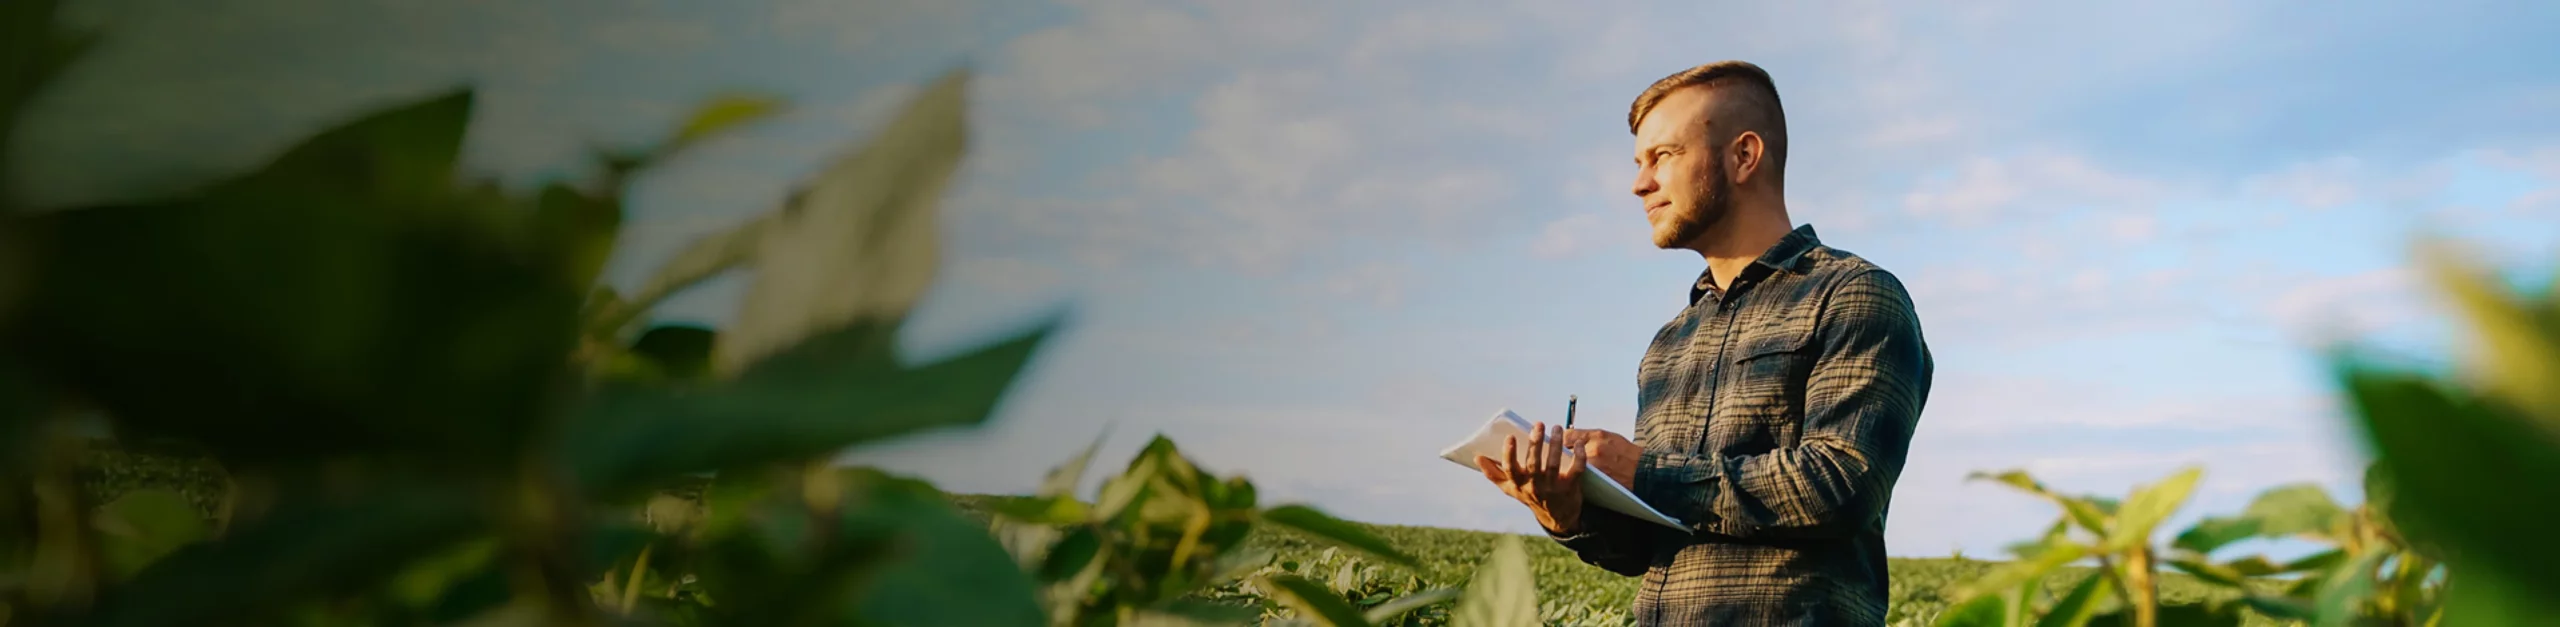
{"type": "Point", "coordinates": [1315, 241]}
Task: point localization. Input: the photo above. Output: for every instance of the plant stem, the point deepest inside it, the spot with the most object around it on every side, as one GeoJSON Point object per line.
{"type": "Point", "coordinates": [2146, 602]}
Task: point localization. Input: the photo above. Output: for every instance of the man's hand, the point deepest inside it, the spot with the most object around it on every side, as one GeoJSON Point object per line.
{"type": "Point", "coordinates": [1546, 477]}
{"type": "Point", "coordinates": [1613, 454]}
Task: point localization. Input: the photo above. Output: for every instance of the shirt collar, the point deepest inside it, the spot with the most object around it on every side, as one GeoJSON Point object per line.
{"type": "Point", "coordinates": [1784, 255]}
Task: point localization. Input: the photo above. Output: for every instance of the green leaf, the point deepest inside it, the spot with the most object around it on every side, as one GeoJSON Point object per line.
{"type": "Point", "coordinates": [2517, 356]}
{"type": "Point", "coordinates": [680, 352]}
{"type": "Point", "coordinates": [1193, 613]}
{"type": "Point", "coordinates": [144, 525]}
{"type": "Point", "coordinates": [1504, 592]}
{"type": "Point", "coordinates": [1314, 601]}
{"type": "Point", "coordinates": [1062, 481]}
{"type": "Point", "coordinates": [2075, 607]}
{"type": "Point", "coordinates": [2087, 512]}
{"type": "Point", "coordinates": [2177, 615]}
{"type": "Point", "coordinates": [705, 258]}
{"type": "Point", "coordinates": [2346, 587]}
{"type": "Point", "coordinates": [429, 579]}
{"type": "Point", "coordinates": [1399, 606]}
{"type": "Point", "coordinates": [860, 243]}
{"type": "Point", "coordinates": [2211, 573]}
{"type": "Point", "coordinates": [1071, 554]}
{"type": "Point", "coordinates": [2281, 608]}
{"type": "Point", "coordinates": [1333, 531]}
{"type": "Point", "coordinates": [2464, 469]}
{"type": "Point", "coordinates": [2216, 532]}
{"type": "Point", "coordinates": [1981, 611]}
{"type": "Point", "coordinates": [582, 228]}
{"type": "Point", "coordinates": [2148, 506]}
{"type": "Point", "coordinates": [2010, 575]}
{"type": "Point", "coordinates": [811, 401]}
{"type": "Point", "coordinates": [943, 570]}
{"type": "Point", "coordinates": [2297, 509]}
{"type": "Point", "coordinates": [2493, 602]}
{"type": "Point", "coordinates": [721, 114]}
{"type": "Point", "coordinates": [1041, 510]}
{"type": "Point", "coordinates": [298, 553]}
{"type": "Point", "coordinates": [348, 277]}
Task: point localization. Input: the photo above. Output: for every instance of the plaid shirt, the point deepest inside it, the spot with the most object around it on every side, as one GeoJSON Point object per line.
{"type": "Point", "coordinates": [1774, 418]}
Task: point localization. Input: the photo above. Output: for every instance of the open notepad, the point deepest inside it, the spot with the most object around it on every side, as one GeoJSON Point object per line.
{"type": "Point", "coordinates": [1597, 488]}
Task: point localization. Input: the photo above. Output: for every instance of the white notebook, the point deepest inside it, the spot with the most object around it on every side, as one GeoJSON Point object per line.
{"type": "Point", "coordinates": [1597, 487]}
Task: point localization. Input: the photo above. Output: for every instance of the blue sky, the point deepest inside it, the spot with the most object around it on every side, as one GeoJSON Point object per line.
{"type": "Point", "coordinates": [1315, 241]}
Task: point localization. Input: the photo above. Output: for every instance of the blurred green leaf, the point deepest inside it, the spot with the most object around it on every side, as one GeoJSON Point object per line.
{"type": "Point", "coordinates": [2209, 572]}
{"type": "Point", "coordinates": [2297, 509]}
{"type": "Point", "coordinates": [2517, 355]}
{"type": "Point", "coordinates": [1193, 613]}
{"type": "Point", "coordinates": [298, 553]}
{"type": "Point", "coordinates": [582, 227]}
{"type": "Point", "coordinates": [1314, 601]}
{"type": "Point", "coordinates": [2087, 512]}
{"type": "Point", "coordinates": [2176, 615]}
{"type": "Point", "coordinates": [1071, 554]}
{"type": "Point", "coordinates": [944, 569]}
{"type": "Point", "coordinates": [1062, 481]}
{"type": "Point", "coordinates": [1041, 510]}
{"type": "Point", "coordinates": [2462, 467]}
{"type": "Point", "coordinates": [2148, 506]}
{"type": "Point", "coordinates": [2009, 575]}
{"type": "Point", "coordinates": [1981, 611]}
{"type": "Point", "coordinates": [706, 257]}
{"type": "Point", "coordinates": [2475, 601]}
{"type": "Point", "coordinates": [721, 114]}
{"type": "Point", "coordinates": [1389, 610]}
{"type": "Point", "coordinates": [859, 243]}
{"type": "Point", "coordinates": [2345, 587]}
{"type": "Point", "coordinates": [2281, 608]}
{"type": "Point", "coordinates": [680, 352]}
{"type": "Point", "coordinates": [1504, 592]}
{"type": "Point", "coordinates": [813, 400]}
{"type": "Point", "coordinates": [144, 525]}
{"type": "Point", "coordinates": [428, 579]}
{"type": "Point", "coordinates": [1328, 529]}
{"type": "Point", "coordinates": [374, 288]}
{"type": "Point", "coordinates": [2077, 606]}
{"type": "Point", "coordinates": [2216, 532]}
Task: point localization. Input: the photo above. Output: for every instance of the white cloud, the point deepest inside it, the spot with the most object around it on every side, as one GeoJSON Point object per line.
{"type": "Point", "coordinates": [2350, 306]}
{"type": "Point", "coordinates": [1984, 189]}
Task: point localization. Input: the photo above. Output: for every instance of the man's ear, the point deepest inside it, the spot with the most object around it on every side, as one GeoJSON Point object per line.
{"type": "Point", "coordinates": [1745, 154]}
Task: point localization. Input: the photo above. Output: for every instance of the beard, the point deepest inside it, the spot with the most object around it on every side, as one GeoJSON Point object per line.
{"type": "Point", "coordinates": [1687, 222]}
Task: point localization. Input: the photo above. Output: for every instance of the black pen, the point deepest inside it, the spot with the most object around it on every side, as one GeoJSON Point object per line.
{"type": "Point", "coordinates": [1569, 401]}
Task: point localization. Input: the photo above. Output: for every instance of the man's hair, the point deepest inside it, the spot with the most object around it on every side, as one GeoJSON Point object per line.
{"type": "Point", "coordinates": [1750, 103]}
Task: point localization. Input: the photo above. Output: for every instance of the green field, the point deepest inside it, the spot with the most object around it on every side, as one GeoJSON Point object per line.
{"type": "Point", "coordinates": [1575, 593]}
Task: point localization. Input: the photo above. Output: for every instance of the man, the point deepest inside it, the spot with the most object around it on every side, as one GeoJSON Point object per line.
{"type": "Point", "coordinates": [1773, 413]}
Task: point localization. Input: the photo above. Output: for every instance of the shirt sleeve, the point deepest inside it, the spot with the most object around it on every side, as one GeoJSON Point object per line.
{"type": "Point", "coordinates": [1612, 541]}
{"type": "Point", "coordinates": [1861, 403]}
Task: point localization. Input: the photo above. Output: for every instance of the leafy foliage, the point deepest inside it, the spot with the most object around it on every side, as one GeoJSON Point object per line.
{"type": "Point", "coordinates": [407, 400]}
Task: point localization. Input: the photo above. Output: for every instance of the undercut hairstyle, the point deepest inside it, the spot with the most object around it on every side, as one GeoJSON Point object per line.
{"type": "Point", "coordinates": [1749, 102]}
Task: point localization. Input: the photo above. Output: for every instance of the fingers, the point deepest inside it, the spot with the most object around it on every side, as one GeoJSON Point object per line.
{"type": "Point", "coordinates": [1551, 456]}
{"type": "Point", "coordinates": [1573, 465]}
{"type": "Point", "coordinates": [1537, 450]}
{"type": "Point", "coordinates": [1511, 454]}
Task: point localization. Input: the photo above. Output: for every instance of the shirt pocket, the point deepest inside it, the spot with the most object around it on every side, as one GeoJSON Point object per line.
{"type": "Point", "coordinates": [1761, 405]}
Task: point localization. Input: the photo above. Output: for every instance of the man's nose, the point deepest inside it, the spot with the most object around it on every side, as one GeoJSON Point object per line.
{"type": "Point", "coordinates": [1644, 184]}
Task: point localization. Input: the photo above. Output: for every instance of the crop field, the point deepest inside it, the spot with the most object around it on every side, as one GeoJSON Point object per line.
{"type": "Point", "coordinates": [1573, 593]}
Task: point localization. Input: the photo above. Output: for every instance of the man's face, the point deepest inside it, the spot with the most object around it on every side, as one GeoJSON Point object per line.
{"type": "Point", "coordinates": [1680, 177]}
